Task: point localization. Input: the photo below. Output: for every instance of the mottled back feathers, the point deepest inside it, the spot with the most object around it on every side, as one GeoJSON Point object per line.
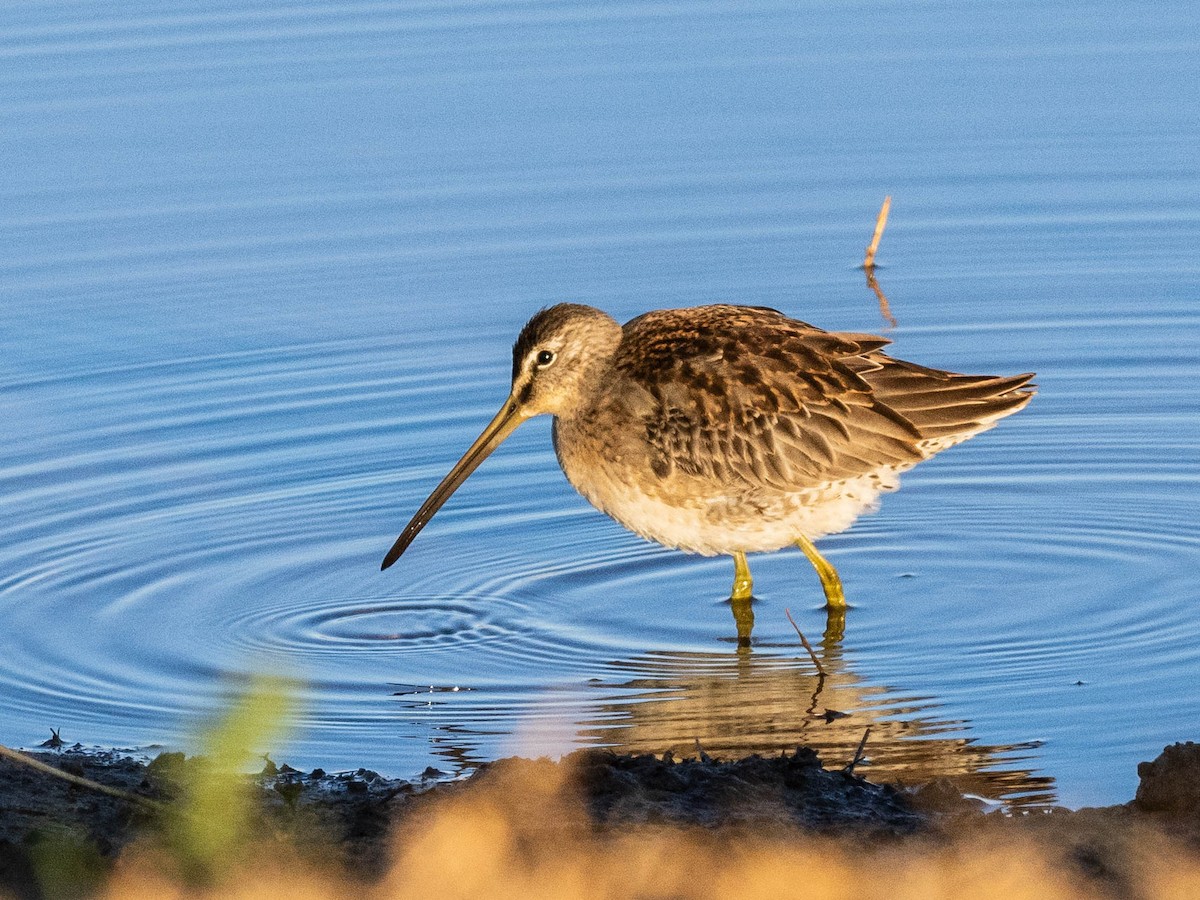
{"type": "Point", "coordinates": [746, 395]}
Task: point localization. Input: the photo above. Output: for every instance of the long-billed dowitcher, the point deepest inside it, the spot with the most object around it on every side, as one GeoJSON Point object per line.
{"type": "Point", "coordinates": [729, 429]}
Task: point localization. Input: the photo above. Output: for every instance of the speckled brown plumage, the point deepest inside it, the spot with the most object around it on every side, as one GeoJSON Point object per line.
{"type": "Point", "coordinates": [747, 394]}
{"type": "Point", "coordinates": [744, 420]}
{"type": "Point", "coordinates": [729, 429]}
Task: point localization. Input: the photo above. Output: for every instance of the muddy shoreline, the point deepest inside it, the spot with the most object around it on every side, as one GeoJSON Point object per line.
{"type": "Point", "coordinates": [346, 822]}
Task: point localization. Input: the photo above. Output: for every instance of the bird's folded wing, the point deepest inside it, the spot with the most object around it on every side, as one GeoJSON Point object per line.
{"type": "Point", "coordinates": [748, 396]}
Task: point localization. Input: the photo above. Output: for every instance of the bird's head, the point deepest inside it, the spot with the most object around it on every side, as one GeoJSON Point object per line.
{"type": "Point", "coordinates": [558, 358]}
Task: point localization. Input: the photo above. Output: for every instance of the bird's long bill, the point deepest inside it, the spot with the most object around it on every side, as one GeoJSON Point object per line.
{"type": "Point", "coordinates": [497, 430]}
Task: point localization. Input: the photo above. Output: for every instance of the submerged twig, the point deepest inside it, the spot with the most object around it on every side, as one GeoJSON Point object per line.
{"type": "Point", "coordinates": [78, 780]}
{"type": "Point", "coordinates": [807, 645]}
{"type": "Point", "coordinates": [858, 754]}
{"type": "Point", "coordinates": [885, 308]}
{"type": "Point", "coordinates": [880, 224]}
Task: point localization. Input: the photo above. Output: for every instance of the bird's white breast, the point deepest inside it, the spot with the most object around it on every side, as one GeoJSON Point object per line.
{"type": "Point", "coordinates": [699, 516]}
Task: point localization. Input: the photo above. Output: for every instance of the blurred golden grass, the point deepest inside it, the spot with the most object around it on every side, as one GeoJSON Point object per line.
{"type": "Point", "coordinates": [516, 837]}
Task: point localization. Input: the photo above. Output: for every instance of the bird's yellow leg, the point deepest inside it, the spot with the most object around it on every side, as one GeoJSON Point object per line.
{"type": "Point", "coordinates": [743, 584]}
{"type": "Point", "coordinates": [739, 598]}
{"type": "Point", "coordinates": [835, 599]}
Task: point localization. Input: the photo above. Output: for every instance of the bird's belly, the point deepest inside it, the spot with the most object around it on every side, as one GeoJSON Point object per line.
{"type": "Point", "coordinates": [701, 517]}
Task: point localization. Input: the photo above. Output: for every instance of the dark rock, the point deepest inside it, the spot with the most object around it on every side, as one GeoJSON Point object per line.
{"type": "Point", "coordinates": [168, 767]}
{"type": "Point", "coordinates": [1171, 783]}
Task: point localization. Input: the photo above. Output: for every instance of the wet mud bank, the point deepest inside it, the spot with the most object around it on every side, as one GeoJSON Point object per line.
{"type": "Point", "coordinates": [353, 823]}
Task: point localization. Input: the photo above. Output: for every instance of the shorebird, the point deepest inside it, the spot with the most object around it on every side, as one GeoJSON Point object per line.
{"type": "Point", "coordinates": [729, 429]}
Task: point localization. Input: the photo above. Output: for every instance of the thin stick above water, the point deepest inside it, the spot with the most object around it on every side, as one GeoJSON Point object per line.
{"type": "Point", "coordinates": [880, 224]}
{"type": "Point", "coordinates": [858, 754]}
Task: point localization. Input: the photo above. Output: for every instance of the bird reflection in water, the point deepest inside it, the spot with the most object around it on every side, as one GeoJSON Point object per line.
{"type": "Point", "coordinates": [735, 704]}
{"type": "Point", "coordinates": [732, 704]}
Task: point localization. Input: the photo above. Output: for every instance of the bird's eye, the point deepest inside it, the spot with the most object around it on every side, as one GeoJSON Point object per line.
{"type": "Point", "coordinates": [545, 358]}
